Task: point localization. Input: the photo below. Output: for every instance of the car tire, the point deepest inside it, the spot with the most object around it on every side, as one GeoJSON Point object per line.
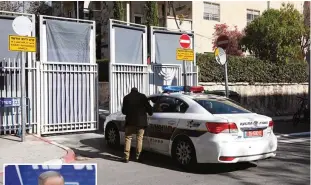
{"type": "Point", "coordinates": [183, 153]}
{"type": "Point", "coordinates": [112, 136]}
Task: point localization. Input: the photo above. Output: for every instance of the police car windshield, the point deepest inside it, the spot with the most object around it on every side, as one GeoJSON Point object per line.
{"type": "Point", "coordinates": [221, 106]}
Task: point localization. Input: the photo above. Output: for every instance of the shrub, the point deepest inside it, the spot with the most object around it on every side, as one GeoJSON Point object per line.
{"type": "Point", "coordinates": [240, 69]}
{"type": "Point", "coordinates": [247, 69]}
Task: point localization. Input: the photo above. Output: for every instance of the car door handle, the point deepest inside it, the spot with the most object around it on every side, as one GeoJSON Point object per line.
{"type": "Point", "coordinates": [171, 122]}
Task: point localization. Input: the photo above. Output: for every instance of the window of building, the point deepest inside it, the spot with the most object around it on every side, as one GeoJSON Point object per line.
{"type": "Point", "coordinates": [138, 19]}
{"type": "Point", "coordinates": [69, 14]}
{"type": "Point", "coordinates": [251, 15]}
{"type": "Point", "coordinates": [211, 11]}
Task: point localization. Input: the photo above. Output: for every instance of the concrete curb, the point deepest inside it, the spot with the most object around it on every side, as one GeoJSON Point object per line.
{"type": "Point", "coordinates": [68, 158]}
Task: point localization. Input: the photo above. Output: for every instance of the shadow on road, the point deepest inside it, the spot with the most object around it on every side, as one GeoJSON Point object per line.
{"type": "Point", "coordinates": [287, 127]}
{"type": "Point", "coordinates": [153, 159]}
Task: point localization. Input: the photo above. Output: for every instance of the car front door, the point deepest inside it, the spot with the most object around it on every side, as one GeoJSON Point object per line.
{"type": "Point", "coordinates": [162, 124]}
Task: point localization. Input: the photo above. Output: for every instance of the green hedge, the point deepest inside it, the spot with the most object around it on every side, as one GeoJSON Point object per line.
{"type": "Point", "coordinates": [248, 69]}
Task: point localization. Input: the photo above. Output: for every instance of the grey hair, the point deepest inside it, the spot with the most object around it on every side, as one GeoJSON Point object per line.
{"type": "Point", "coordinates": [45, 175]}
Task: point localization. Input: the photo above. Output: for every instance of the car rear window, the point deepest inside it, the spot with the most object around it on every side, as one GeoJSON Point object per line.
{"type": "Point", "coordinates": [221, 106]}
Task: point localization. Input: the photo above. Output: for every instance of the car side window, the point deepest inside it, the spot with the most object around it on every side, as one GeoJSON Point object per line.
{"type": "Point", "coordinates": [170, 105]}
{"type": "Point", "coordinates": [152, 101]}
{"type": "Point", "coordinates": [181, 106]}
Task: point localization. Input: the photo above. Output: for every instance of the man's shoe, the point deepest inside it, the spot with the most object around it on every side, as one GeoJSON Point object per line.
{"type": "Point", "coordinates": [125, 160]}
{"type": "Point", "coordinates": [138, 160]}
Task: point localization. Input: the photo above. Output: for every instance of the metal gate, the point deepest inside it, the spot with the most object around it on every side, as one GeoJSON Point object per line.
{"type": "Point", "coordinates": [128, 61]}
{"type": "Point", "coordinates": [61, 96]}
{"type": "Point", "coordinates": [167, 74]}
{"type": "Point", "coordinates": [68, 84]}
{"type": "Point", "coordinates": [10, 79]}
{"type": "Point", "coordinates": [165, 69]}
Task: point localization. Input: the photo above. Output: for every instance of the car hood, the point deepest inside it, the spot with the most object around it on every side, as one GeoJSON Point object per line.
{"type": "Point", "coordinates": [116, 116]}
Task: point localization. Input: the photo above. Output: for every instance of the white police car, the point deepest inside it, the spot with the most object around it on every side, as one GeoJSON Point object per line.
{"type": "Point", "coordinates": [193, 127]}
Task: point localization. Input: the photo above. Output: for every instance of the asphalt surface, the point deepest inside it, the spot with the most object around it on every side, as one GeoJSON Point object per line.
{"type": "Point", "coordinates": [286, 127]}
{"type": "Point", "coordinates": [291, 166]}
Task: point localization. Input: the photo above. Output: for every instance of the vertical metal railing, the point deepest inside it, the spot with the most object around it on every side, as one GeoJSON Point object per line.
{"type": "Point", "coordinates": [124, 77]}
{"type": "Point", "coordinates": [10, 88]}
{"type": "Point", "coordinates": [69, 99]}
{"type": "Point", "coordinates": [164, 75]}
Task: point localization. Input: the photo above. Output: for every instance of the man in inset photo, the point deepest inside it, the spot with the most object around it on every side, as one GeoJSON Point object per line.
{"type": "Point", "coordinates": [51, 178]}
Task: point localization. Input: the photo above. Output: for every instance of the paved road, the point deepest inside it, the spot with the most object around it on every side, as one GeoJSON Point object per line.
{"type": "Point", "coordinates": [290, 167]}
{"type": "Point", "coordinates": [286, 127]}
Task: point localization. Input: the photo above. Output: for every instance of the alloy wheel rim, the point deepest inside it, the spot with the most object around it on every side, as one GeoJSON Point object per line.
{"type": "Point", "coordinates": [183, 152]}
{"type": "Point", "coordinates": [112, 136]}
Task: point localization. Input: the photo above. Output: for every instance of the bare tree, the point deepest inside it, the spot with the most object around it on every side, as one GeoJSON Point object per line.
{"type": "Point", "coordinates": [11, 6]}
{"type": "Point", "coordinates": [39, 8]}
{"type": "Point", "coordinates": [171, 6]}
{"type": "Point", "coordinates": [179, 13]}
{"type": "Point", "coordinates": [103, 14]}
{"type": "Point", "coordinates": [306, 15]}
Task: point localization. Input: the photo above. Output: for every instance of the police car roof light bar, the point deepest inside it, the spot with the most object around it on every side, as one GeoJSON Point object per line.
{"type": "Point", "coordinates": [193, 89]}
{"type": "Point", "coordinates": [197, 89]}
{"type": "Point", "coordinates": [168, 88]}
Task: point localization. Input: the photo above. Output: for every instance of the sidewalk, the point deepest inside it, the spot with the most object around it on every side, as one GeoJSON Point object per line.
{"type": "Point", "coordinates": [33, 150]}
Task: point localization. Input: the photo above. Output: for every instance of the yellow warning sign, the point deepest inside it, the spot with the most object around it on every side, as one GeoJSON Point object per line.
{"type": "Point", "coordinates": [184, 54]}
{"type": "Point", "coordinates": [22, 43]}
{"type": "Point", "coordinates": [216, 52]}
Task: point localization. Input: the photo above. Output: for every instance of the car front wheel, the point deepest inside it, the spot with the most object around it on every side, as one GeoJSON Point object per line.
{"type": "Point", "coordinates": [112, 136]}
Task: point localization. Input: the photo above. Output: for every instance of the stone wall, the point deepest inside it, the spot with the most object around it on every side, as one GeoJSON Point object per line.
{"type": "Point", "coordinates": [271, 99]}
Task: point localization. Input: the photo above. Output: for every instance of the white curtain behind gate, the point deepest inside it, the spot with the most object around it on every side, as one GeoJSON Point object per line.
{"type": "Point", "coordinates": [68, 41]}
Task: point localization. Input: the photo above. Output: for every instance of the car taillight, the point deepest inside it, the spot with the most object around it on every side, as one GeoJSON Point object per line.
{"type": "Point", "coordinates": [217, 128]}
{"type": "Point", "coordinates": [222, 158]}
{"type": "Point", "coordinates": [271, 124]}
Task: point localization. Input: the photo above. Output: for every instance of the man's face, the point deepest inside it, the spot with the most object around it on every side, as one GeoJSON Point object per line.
{"type": "Point", "coordinates": [54, 181]}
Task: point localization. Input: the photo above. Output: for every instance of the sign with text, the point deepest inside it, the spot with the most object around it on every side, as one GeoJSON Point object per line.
{"type": "Point", "coordinates": [9, 102]}
{"type": "Point", "coordinates": [184, 54]}
{"type": "Point", "coordinates": [22, 43]}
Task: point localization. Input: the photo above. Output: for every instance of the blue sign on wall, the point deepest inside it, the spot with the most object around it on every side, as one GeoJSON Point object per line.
{"type": "Point", "coordinates": [74, 174]}
{"type": "Point", "coordinates": [9, 102]}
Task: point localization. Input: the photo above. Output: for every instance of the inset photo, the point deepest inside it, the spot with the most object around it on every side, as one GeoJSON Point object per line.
{"type": "Point", "coordinates": [48, 174]}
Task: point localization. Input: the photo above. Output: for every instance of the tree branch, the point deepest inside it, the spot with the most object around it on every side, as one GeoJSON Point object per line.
{"type": "Point", "coordinates": [171, 5]}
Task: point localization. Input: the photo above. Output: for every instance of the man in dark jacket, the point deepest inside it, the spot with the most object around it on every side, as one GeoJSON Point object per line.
{"type": "Point", "coordinates": [135, 108]}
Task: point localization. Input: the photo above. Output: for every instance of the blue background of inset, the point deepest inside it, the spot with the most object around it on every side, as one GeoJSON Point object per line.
{"type": "Point", "coordinates": [29, 176]}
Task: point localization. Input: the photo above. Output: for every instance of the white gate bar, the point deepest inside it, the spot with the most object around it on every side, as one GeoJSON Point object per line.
{"type": "Point", "coordinates": [123, 76]}
{"type": "Point", "coordinates": [76, 109]}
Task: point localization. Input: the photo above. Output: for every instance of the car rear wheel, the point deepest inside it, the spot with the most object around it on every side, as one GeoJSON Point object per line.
{"type": "Point", "coordinates": [112, 136]}
{"type": "Point", "coordinates": [183, 153]}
